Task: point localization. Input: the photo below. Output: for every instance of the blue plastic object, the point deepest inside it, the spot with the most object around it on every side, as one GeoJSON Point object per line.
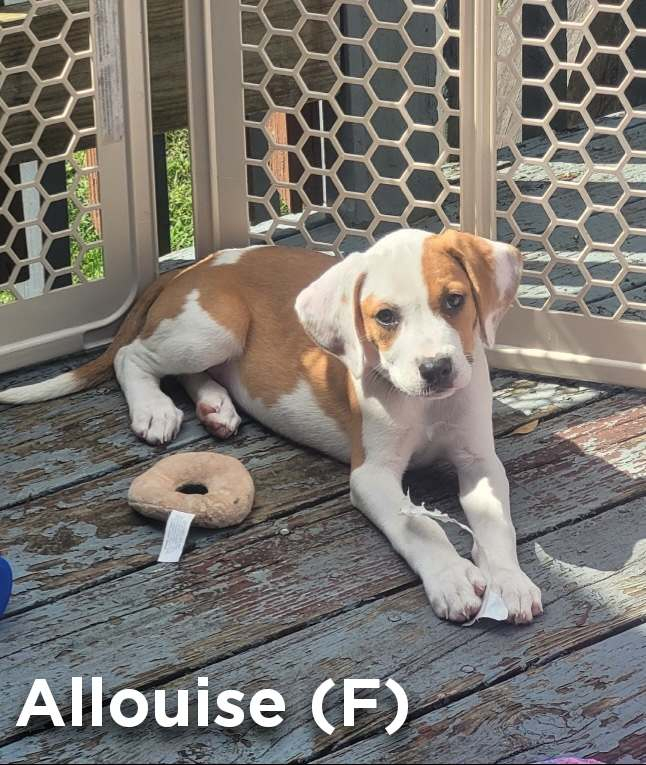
{"type": "Point", "coordinates": [6, 580]}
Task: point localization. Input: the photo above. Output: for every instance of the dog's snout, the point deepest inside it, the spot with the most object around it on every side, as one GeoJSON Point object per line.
{"type": "Point", "coordinates": [437, 372]}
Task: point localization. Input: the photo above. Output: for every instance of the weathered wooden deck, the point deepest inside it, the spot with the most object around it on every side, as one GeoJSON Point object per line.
{"type": "Point", "coordinates": [306, 589]}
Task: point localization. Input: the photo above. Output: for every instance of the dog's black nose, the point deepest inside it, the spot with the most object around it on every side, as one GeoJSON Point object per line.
{"type": "Point", "coordinates": [437, 372]}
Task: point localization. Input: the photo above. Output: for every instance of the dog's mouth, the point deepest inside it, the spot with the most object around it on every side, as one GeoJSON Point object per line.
{"type": "Point", "coordinates": [437, 392]}
{"type": "Point", "coordinates": [434, 391]}
{"type": "Point", "coordinates": [421, 391]}
{"type": "Point", "coordinates": [431, 391]}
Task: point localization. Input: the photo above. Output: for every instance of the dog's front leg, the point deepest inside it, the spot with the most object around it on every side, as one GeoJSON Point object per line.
{"type": "Point", "coordinates": [453, 584]}
{"type": "Point", "coordinates": [484, 495]}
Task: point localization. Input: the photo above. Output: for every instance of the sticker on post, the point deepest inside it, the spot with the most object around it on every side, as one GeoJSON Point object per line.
{"type": "Point", "coordinates": [108, 73]}
{"type": "Point", "coordinates": [175, 534]}
{"type": "Point", "coordinates": [492, 606]}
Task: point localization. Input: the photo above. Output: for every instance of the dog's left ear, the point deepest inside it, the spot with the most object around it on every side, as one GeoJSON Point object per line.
{"type": "Point", "coordinates": [494, 270]}
{"type": "Point", "coordinates": [329, 311]}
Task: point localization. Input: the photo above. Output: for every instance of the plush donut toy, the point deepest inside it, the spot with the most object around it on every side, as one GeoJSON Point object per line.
{"type": "Point", "coordinates": [215, 488]}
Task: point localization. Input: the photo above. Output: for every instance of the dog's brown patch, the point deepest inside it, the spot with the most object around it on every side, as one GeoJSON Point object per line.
{"type": "Point", "coordinates": [444, 275]}
{"type": "Point", "coordinates": [254, 299]}
{"type": "Point", "coordinates": [380, 336]}
{"type": "Point", "coordinates": [358, 456]}
{"type": "Point", "coordinates": [477, 258]}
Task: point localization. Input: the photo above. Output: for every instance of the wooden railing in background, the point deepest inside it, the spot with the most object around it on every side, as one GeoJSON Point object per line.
{"type": "Point", "coordinates": [167, 63]}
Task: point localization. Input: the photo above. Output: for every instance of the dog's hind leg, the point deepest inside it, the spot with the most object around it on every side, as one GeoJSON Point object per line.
{"type": "Point", "coordinates": [153, 415]}
{"type": "Point", "coordinates": [186, 345]}
{"type": "Point", "coordinates": [213, 405]}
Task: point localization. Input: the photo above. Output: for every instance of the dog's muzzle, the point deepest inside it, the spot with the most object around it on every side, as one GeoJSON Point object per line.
{"type": "Point", "coordinates": [438, 373]}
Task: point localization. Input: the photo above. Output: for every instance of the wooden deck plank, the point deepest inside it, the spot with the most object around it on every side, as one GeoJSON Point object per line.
{"type": "Point", "coordinates": [93, 527]}
{"type": "Point", "coordinates": [47, 446]}
{"type": "Point", "coordinates": [75, 537]}
{"type": "Point", "coordinates": [517, 398]}
{"type": "Point", "coordinates": [44, 371]}
{"type": "Point", "coordinates": [57, 444]}
{"type": "Point", "coordinates": [589, 703]}
{"type": "Point", "coordinates": [587, 458]}
{"type": "Point", "coordinates": [260, 584]}
{"type": "Point", "coordinates": [102, 538]}
{"type": "Point", "coordinates": [591, 589]}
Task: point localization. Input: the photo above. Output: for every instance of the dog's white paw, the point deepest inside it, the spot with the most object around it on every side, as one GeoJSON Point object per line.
{"type": "Point", "coordinates": [455, 590]}
{"type": "Point", "coordinates": [219, 417]}
{"type": "Point", "coordinates": [521, 596]}
{"type": "Point", "coordinates": [157, 421]}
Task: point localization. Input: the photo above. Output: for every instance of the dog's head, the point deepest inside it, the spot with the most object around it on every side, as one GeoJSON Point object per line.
{"type": "Point", "coordinates": [413, 307]}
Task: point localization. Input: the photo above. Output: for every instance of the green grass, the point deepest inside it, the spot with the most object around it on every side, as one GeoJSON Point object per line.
{"type": "Point", "coordinates": [92, 266]}
{"type": "Point", "coordinates": [180, 194]}
{"type": "Point", "coordinates": [180, 203]}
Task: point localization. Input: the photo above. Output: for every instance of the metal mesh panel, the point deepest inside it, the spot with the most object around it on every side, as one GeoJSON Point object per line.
{"type": "Point", "coordinates": [571, 183]}
{"type": "Point", "coordinates": [70, 239]}
{"type": "Point", "coordinates": [50, 215]}
{"type": "Point", "coordinates": [351, 117]}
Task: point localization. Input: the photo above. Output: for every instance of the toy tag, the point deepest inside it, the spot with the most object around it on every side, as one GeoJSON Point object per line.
{"type": "Point", "coordinates": [175, 534]}
{"type": "Point", "coordinates": [492, 606]}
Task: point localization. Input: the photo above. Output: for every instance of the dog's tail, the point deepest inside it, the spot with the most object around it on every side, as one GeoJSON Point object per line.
{"type": "Point", "coordinates": [99, 370]}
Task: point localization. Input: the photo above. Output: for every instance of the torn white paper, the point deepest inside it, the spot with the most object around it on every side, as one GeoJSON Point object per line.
{"type": "Point", "coordinates": [177, 526]}
{"type": "Point", "coordinates": [492, 606]}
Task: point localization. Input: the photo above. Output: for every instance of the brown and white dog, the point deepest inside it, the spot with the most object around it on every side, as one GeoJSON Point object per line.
{"type": "Point", "coordinates": [377, 360]}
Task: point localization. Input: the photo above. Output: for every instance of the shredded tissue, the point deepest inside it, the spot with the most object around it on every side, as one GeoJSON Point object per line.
{"type": "Point", "coordinates": [492, 606]}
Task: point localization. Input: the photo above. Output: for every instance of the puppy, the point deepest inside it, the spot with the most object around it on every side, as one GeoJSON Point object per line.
{"type": "Point", "coordinates": [377, 360]}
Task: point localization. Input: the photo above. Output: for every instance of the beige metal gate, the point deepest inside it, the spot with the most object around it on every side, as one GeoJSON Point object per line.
{"type": "Point", "coordinates": [328, 123]}
{"type": "Point", "coordinates": [520, 119]}
{"type": "Point", "coordinates": [571, 185]}
{"type": "Point", "coordinates": [346, 124]}
{"type": "Point", "coordinates": [77, 233]}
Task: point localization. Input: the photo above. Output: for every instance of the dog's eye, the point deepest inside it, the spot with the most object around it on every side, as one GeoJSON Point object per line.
{"type": "Point", "coordinates": [387, 317]}
{"type": "Point", "coordinates": [454, 301]}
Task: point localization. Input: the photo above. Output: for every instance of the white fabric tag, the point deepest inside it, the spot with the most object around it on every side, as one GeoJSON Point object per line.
{"type": "Point", "coordinates": [177, 526]}
{"type": "Point", "coordinates": [492, 606]}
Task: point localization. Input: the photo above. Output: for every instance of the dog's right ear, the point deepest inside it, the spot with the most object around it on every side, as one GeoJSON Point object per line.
{"type": "Point", "coordinates": [329, 311]}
